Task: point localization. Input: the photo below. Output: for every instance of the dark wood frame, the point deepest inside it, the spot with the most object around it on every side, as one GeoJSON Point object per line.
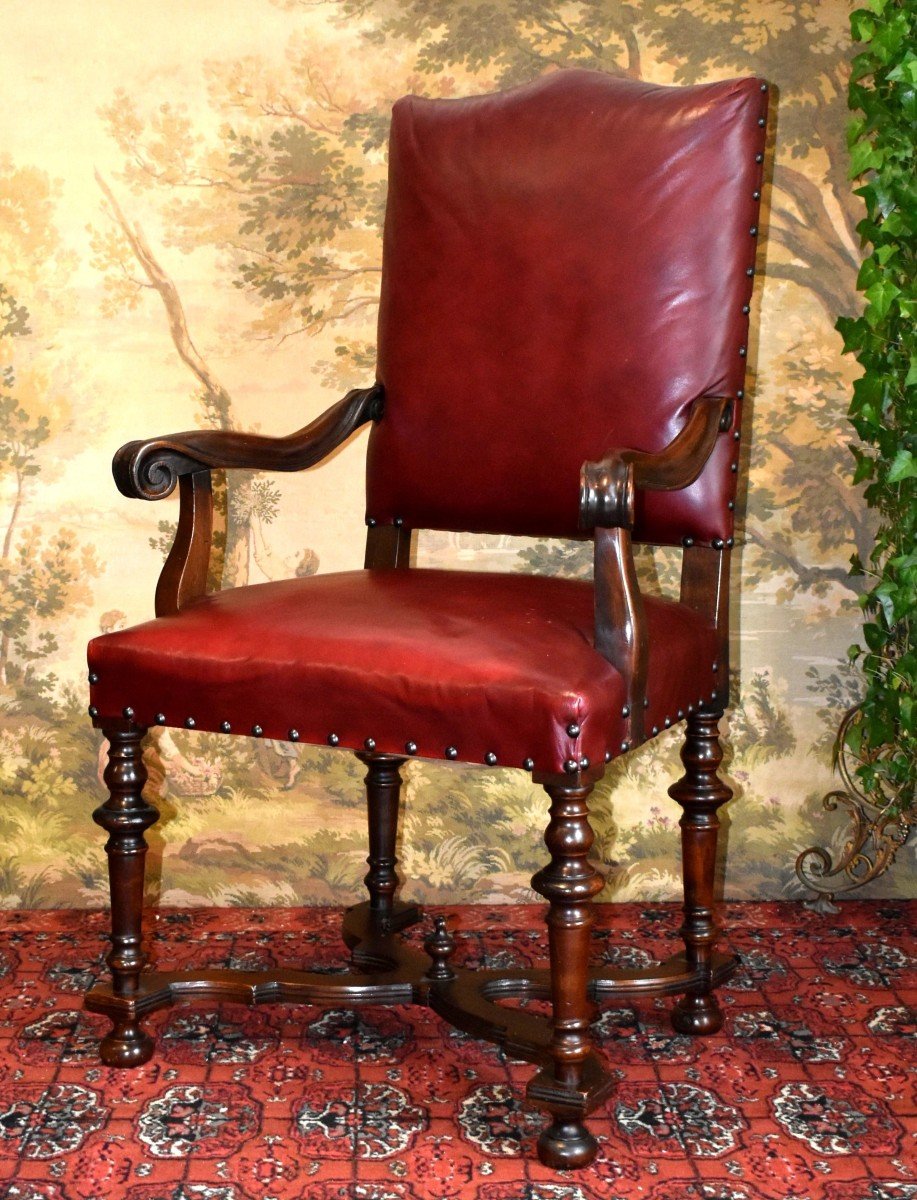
{"type": "Point", "coordinates": [571, 1080]}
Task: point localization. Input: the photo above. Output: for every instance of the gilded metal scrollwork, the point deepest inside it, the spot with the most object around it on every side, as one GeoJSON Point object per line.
{"type": "Point", "coordinates": [878, 831]}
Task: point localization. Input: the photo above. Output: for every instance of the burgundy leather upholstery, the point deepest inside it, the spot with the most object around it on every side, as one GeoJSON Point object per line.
{"type": "Point", "coordinates": [487, 664]}
{"type": "Point", "coordinates": [565, 270]}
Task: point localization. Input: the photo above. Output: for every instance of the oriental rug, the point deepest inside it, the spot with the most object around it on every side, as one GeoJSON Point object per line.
{"type": "Point", "coordinates": [808, 1093]}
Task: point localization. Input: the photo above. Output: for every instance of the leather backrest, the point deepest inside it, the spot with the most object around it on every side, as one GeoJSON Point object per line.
{"type": "Point", "coordinates": [566, 267]}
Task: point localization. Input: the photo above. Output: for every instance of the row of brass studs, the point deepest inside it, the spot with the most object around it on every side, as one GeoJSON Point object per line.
{"type": "Point", "coordinates": [571, 766]}
{"type": "Point", "coordinates": [718, 543]}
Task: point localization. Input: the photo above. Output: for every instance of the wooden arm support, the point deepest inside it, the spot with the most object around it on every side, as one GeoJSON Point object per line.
{"type": "Point", "coordinates": [607, 487]}
{"type": "Point", "coordinates": [150, 470]}
{"type": "Point", "coordinates": [607, 490]}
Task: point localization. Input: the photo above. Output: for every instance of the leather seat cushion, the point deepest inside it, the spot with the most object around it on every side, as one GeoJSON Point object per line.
{"type": "Point", "coordinates": [484, 663]}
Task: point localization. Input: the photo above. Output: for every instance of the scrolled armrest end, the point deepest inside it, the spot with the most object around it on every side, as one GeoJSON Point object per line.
{"type": "Point", "coordinates": [150, 470]}
{"type": "Point", "coordinates": [606, 494]}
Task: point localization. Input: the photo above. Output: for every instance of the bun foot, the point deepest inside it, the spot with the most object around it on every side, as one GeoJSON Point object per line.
{"type": "Point", "coordinates": [126, 1046]}
{"type": "Point", "coordinates": [697, 1016]}
{"type": "Point", "coordinates": [566, 1145]}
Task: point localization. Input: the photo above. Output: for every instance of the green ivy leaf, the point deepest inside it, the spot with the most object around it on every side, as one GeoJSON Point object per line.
{"type": "Point", "coordinates": [874, 636]}
{"type": "Point", "coordinates": [881, 296]}
{"type": "Point", "coordinates": [862, 25]}
{"type": "Point", "coordinates": [884, 596]}
{"type": "Point", "coordinates": [865, 467]}
{"type": "Point", "coordinates": [864, 157]}
{"type": "Point", "coordinates": [903, 467]}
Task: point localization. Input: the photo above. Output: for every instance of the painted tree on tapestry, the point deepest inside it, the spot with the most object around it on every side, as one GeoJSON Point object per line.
{"type": "Point", "coordinates": [43, 573]}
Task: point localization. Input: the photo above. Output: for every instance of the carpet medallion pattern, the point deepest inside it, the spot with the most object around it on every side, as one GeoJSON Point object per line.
{"type": "Point", "coordinates": [808, 1093]}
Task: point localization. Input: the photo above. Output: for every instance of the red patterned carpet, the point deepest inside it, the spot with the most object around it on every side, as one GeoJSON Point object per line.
{"type": "Point", "coordinates": [808, 1094]}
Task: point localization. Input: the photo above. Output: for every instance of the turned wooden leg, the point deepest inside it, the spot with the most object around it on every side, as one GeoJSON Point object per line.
{"type": "Point", "coordinates": [568, 883]}
{"type": "Point", "coordinates": [126, 816]}
{"type": "Point", "coordinates": [383, 790]}
{"type": "Point", "coordinates": [700, 792]}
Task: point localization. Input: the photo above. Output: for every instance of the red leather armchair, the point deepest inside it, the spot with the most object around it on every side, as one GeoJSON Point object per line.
{"type": "Point", "coordinates": [567, 273]}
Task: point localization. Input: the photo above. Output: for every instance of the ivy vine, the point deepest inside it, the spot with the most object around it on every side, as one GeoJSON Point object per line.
{"type": "Point", "coordinates": [883, 89]}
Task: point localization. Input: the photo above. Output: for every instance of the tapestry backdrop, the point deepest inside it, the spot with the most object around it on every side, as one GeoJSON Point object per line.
{"type": "Point", "coordinates": [190, 207]}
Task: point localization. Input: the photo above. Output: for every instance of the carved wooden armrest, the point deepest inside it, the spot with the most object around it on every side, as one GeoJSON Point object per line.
{"type": "Point", "coordinates": [607, 487]}
{"type": "Point", "coordinates": [150, 470]}
{"type": "Point", "coordinates": [607, 491]}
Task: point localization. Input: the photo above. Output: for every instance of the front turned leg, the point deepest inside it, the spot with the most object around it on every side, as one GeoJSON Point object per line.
{"type": "Point", "coordinates": [700, 792]}
{"type": "Point", "coordinates": [574, 1082]}
{"type": "Point", "coordinates": [126, 816]}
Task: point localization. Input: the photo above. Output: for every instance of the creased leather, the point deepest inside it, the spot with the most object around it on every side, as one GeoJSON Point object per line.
{"type": "Point", "coordinates": [564, 271]}
{"type": "Point", "coordinates": [485, 663]}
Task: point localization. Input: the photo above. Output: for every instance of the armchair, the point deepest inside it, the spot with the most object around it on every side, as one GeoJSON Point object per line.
{"type": "Point", "coordinates": [567, 272]}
